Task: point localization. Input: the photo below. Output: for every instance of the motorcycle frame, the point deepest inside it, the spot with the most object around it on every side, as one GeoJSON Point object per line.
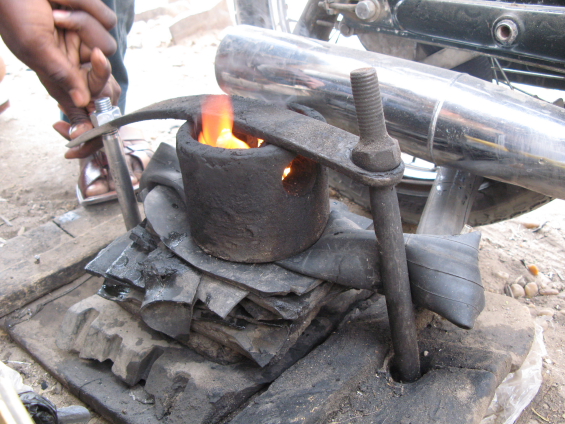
{"type": "Point", "coordinates": [536, 36]}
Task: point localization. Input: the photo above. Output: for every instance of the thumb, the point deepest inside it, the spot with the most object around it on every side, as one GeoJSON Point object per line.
{"type": "Point", "coordinates": [100, 72]}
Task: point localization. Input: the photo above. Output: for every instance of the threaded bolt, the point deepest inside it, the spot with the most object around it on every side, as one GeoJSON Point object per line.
{"type": "Point", "coordinates": [376, 151]}
{"type": "Point", "coordinates": [103, 105]}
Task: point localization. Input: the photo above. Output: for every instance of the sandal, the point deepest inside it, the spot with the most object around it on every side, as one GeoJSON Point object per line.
{"type": "Point", "coordinates": [95, 167]}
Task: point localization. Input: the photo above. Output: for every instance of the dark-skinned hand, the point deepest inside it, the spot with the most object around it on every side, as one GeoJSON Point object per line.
{"type": "Point", "coordinates": [35, 32]}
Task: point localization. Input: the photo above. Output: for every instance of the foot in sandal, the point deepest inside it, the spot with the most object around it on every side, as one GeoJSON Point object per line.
{"type": "Point", "coordinates": [95, 183]}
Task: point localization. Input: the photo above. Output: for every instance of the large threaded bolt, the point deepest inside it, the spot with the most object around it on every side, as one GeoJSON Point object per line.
{"type": "Point", "coordinates": [376, 151]}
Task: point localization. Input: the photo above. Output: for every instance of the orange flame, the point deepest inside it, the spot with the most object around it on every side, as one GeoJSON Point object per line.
{"type": "Point", "coordinates": [217, 124]}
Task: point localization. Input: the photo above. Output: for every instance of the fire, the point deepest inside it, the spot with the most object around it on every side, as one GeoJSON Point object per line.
{"type": "Point", "coordinates": [217, 124]}
{"type": "Point", "coordinates": [286, 172]}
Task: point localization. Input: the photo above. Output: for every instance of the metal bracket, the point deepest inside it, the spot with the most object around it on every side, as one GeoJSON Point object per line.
{"type": "Point", "coordinates": [309, 137]}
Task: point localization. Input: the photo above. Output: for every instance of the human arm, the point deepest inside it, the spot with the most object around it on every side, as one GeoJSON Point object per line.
{"type": "Point", "coordinates": [36, 34]}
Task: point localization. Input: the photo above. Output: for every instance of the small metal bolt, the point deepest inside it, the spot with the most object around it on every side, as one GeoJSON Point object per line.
{"type": "Point", "coordinates": [505, 32]}
{"type": "Point", "coordinates": [104, 112]}
{"type": "Point", "coordinates": [368, 10]}
{"type": "Point", "coordinates": [103, 104]}
{"type": "Point", "coordinates": [376, 151]}
{"type": "Point", "coordinates": [346, 30]}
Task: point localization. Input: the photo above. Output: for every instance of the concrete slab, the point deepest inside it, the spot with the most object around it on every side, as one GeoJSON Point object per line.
{"type": "Point", "coordinates": [43, 259]}
{"type": "Point", "coordinates": [179, 383]}
{"type": "Point", "coordinates": [346, 379]}
{"type": "Point", "coordinates": [461, 371]}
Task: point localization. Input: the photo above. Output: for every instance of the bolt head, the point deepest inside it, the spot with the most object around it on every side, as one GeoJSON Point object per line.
{"type": "Point", "coordinates": [99, 119]}
{"type": "Point", "coordinates": [367, 10]}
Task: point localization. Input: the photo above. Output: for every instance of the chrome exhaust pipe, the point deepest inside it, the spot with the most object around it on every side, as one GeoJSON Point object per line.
{"type": "Point", "coordinates": [441, 116]}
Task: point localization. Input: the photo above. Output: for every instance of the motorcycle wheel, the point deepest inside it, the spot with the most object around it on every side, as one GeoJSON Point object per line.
{"type": "Point", "coordinates": [496, 201]}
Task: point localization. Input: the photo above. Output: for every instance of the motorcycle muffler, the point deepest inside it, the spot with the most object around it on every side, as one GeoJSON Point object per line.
{"type": "Point", "coordinates": [444, 117]}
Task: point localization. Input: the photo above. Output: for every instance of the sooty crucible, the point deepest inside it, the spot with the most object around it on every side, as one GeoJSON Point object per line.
{"type": "Point", "coordinates": [243, 206]}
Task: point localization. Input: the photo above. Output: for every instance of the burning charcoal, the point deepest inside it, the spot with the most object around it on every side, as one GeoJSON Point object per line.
{"type": "Point", "coordinates": [292, 306]}
{"type": "Point", "coordinates": [129, 266]}
{"type": "Point", "coordinates": [106, 257]}
{"type": "Point", "coordinates": [220, 297]}
{"type": "Point", "coordinates": [167, 217]}
{"type": "Point", "coordinates": [128, 297]}
{"type": "Point", "coordinates": [143, 238]}
{"type": "Point", "coordinates": [171, 287]}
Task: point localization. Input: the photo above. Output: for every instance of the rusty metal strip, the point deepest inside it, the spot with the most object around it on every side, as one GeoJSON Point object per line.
{"type": "Point", "coordinates": [321, 142]}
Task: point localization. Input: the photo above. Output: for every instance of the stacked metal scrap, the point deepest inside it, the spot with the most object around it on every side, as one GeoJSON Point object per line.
{"type": "Point", "coordinates": [159, 273]}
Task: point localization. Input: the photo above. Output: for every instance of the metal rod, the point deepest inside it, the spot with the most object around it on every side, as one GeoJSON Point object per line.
{"type": "Point", "coordinates": [114, 149]}
{"type": "Point", "coordinates": [377, 151]}
{"type": "Point", "coordinates": [449, 203]}
{"type": "Point", "coordinates": [396, 286]}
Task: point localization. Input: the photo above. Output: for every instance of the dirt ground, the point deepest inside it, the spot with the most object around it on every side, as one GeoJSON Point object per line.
{"type": "Point", "coordinates": [37, 184]}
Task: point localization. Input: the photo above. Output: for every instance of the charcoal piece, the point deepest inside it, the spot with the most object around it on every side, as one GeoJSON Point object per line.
{"type": "Point", "coordinates": [262, 343]}
{"type": "Point", "coordinates": [163, 169]}
{"type": "Point", "coordinates": [213, 350]}
{"type": "Point", "coordinates": [292, 306]}
{"type": "Point", "coordinates": [220, 297]}
{"type": "Point", "coordinates": [143, 238]}
{"type": "Point", "coordinates": [128, 297]}
{"type": "Point", "coordinates": [344, 254]}
{"type": "Point", "coordinates": [258, 342]}
{"type": "Point", "coordinates": [171, 287]}
{"type": "Point", "coordinates": [167, 216]}
{"type": "Point", "coordinates": [128, 266]}
{"type": "Point", "coordinates": [258, 312]}
{"type": "Point", "coordinates": [106, 257]}
{"type": "Point", "coordinates": [240, 314]}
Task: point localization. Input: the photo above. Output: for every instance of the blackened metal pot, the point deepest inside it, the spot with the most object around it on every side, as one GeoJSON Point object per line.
{"type": "Point", "coordinates": [239, 206]}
